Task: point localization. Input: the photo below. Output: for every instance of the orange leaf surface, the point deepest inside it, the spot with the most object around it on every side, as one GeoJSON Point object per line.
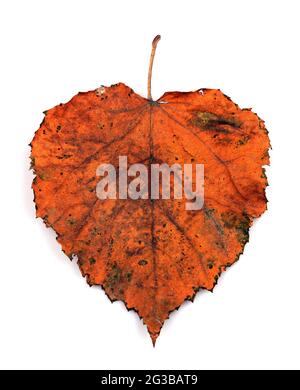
{"type": "Point", "coordinates": [150, 254]}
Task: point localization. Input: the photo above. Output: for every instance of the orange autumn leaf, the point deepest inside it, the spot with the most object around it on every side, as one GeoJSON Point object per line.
{"type": "Point", "coordinates": [152, 254]}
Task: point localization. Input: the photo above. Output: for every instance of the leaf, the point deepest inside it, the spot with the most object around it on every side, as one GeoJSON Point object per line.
{"type": "Point", "coordinates": [151, 254]}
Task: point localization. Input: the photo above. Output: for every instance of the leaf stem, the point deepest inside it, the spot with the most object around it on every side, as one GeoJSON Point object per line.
{"type": "Point", "coordinates": [154, 44]}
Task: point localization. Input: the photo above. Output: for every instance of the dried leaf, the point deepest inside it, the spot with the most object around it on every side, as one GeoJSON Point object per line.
{"type": "Point", "coordinates": [150, 254]}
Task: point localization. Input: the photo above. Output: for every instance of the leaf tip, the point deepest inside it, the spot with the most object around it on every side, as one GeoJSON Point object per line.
{"type": "Point", "coordinates": [153, 338]}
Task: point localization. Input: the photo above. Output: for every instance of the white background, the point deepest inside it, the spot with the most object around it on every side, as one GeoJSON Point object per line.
{"type": "Point", "coordinates": [50, 50]}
